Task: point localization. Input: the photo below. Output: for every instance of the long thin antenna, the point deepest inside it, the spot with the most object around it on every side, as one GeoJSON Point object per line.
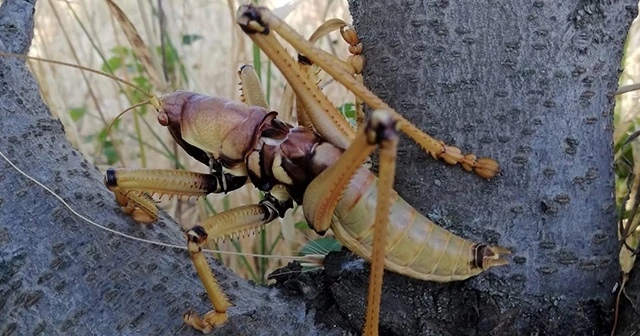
{"type": "Point", "coordinates": [121, 234]}
{"type": "Point", "coordinates": [130, 108]}
{"type": "Point", "coordinates": [98, 72]}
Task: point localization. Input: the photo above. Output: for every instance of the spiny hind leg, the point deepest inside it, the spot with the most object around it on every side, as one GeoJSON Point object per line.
{"type": "Point", "coordinates": [354, 64]}
{"type": "Point", "coordinates": [134, 188]}
{"type": "Point", "coordinates": [322, 196]}
{"type": "Point", "coordinates": [386, 137]}
{"type": "Point", "coordinates": [226, 224]}
{"type": "Point", "coordinates": [259, 22]}
{"type": "Point", "coordinates": [320, 112]}
{"type": "Point", "coordinates": [251, 88]}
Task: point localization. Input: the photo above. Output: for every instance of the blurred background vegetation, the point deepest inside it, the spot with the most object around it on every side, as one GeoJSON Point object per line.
{"type": "Point", "coordinates": [626, 149]}
{"type": "Point", "coordinates": [198, 47]}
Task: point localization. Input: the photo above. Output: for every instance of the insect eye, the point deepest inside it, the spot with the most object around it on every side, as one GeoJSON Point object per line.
{"type": "Point", "coordinates": [163, 118]}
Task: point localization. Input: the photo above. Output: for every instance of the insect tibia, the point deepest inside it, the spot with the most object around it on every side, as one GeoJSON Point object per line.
{"type": "Point", "coordinates": [225, 234]}
{"type": "Point", "coordinates": [237, 222]}
{"type": "Point", "coordinates": [163, 182]}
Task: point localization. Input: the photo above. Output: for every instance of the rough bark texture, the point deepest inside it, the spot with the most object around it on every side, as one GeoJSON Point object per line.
{"type": "Point", "coordinates": [529, 84]}
{"type": "Point", "coordinates": [61, 276]}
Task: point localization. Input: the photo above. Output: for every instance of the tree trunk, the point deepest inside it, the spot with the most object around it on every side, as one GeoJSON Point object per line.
{"type": "Point", "coordinates": [61, 276]}
{"type": "Point", "coordinates": [528, 84]}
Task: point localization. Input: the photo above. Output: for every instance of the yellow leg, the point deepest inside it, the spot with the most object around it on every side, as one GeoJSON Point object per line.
{"type": "Point", "coordinates": [218, 316]}
{"type": "Point", "coordinates": [259, 22]}
{"type": "Point", "coordinates": [248, 217]}
{"type": "Point", "coordinates": [251, 88]}
{"type": "Point", "coordinates": [323, 194]}
{"type": "Point", "coordinates": [133, 187]}
{"type": "Point", "coordinates": [354, 64]}
{"type": "Point", "coordinates": [323, 115]}
{"type": "Point", "coordinates": [140, 206]}
{"type": "Point", "coordinates": [388, 142]}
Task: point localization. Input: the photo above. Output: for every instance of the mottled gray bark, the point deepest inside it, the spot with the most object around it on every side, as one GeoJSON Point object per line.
{"type": "Point", "coordinates": [530, 84]}
{"type": "Point", "coordinates": [61, 276]}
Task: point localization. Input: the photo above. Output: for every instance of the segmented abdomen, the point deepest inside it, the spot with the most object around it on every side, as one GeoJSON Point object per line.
{"type": "Point", "coordinates": [416, 247]}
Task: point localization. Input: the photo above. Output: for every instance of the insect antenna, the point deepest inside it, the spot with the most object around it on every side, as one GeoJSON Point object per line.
{"type": "Point", "coordinates": [153, 100]}
{"type": "Point", "coordinates": [130, 108]}
{"type": "Point", "coordinates": [80, 67]}
{"type": "Point", "coordinates": [310, 259]}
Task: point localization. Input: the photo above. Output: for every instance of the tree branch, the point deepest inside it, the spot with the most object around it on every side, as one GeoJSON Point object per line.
{"type": "Point", "coordinates": [60, 275]}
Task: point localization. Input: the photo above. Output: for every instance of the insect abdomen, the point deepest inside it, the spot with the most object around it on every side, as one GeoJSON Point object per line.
{"type": "Point", "coordinates": [416, 247]}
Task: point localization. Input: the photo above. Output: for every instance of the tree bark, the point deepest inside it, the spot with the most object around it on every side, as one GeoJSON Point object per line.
{"type": "Point", "coordinates": [528, 84]}
{"type": "Point", "coordinates": [61, 276]}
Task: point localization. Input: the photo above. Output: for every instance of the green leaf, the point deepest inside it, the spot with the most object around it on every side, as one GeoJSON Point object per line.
{"type": "Point", "coordinates": [114, 63]}
{"type": "Point", "coordinates": [301, 225]}
{"type": "Point", "coordinates": [320, 246]}
{"type": "Point", "coordinates": [190, 38]}
{"type": "Point", "coordinates": [120, 51]}
{"type": "Point", "coordinates": [110, 153]}
{"type": "Point", "coordinates": [77, 113]}
{"type": "Point", "coordinates": [348, 110]}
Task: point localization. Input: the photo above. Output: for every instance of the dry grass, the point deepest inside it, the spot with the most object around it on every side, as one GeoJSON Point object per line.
{"type": "Point", "coordinates": [85, 33]}
{"type": "Point", "coordinates": [627, 151]}
{"type": "Point", "coordinates": [628, 105]}
{"type": "Point", "coordinates": [627, 119]}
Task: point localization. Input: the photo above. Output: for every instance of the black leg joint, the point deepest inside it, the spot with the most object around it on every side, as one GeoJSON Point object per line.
{"type": "Point", "coordinates": [252, 13]}
{"type": "Point", "coordinates": [110, 179]}
{"type": "Point", "coordinates": [280, 207]}
{"type": "Point", "coordinates": [302, 59]}
{"type": "Point", "coordinates": [234, 182]}
{"type": "Point", "coordinates": [219, 182]}
{"type": "Point", "coordinates": [197, 234]}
